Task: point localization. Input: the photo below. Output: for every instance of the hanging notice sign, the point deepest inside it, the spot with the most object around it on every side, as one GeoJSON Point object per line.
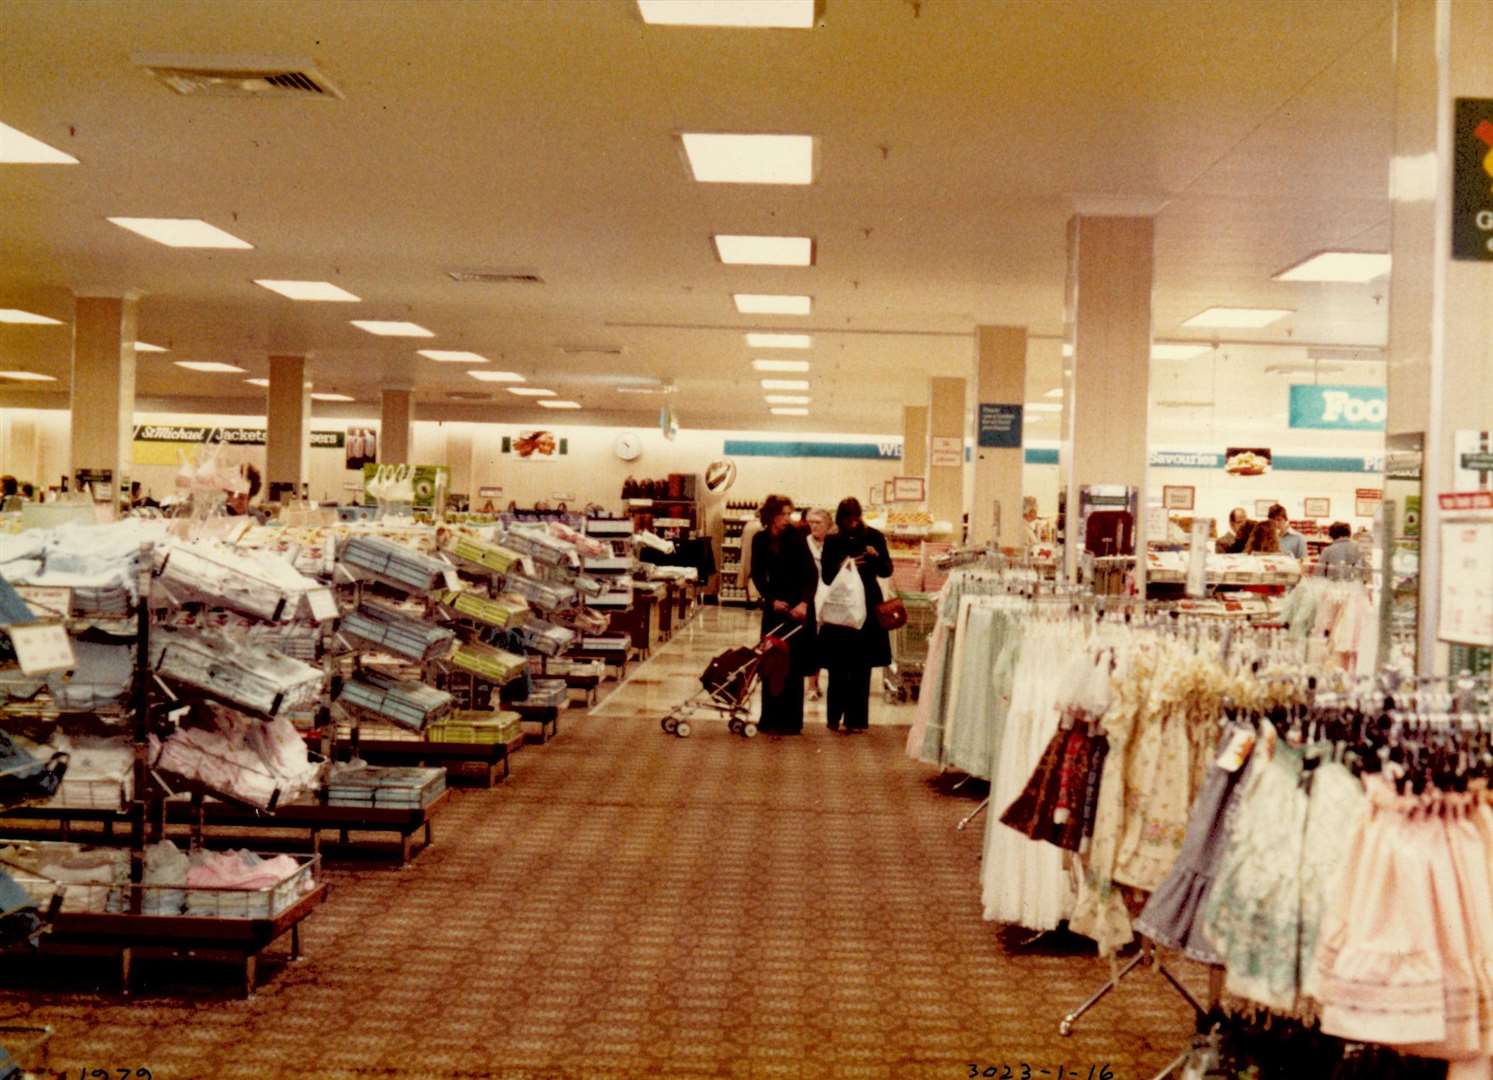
{"type": "Point", "coordinates": [1467, 582]}
{"type": "Point", "coordinates": [1000, 426]}
{"type": "Point", "coordinates": [1472, 180]}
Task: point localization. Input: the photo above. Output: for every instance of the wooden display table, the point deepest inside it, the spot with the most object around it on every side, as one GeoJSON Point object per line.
{"type": "Point", "coordinates": [313, 818]}
{"type": "Point", "coordinates": [140, 937]}
{"type": "Point", "coordinates": [488, 757]}
{"type": "Point", "coordinates": [546, 716]}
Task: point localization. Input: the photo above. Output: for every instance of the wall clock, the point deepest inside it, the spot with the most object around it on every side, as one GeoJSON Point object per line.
{"type": "Point", "coordinates": [628, 447]}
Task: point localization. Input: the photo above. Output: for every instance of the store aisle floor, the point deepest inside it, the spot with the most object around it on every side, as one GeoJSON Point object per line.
{"type": "Point", "coordinates": [630, 904]}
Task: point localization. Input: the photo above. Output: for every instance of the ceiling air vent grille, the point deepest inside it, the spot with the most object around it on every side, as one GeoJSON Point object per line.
{"type": "Point", "coordinates": [261, 77]}
{"type": "Point", "coordinates": [495, 277]}
{"type": "Point", "coordinates": [591, 350]}
{"type": "Point", "coordinates": [467, 395]}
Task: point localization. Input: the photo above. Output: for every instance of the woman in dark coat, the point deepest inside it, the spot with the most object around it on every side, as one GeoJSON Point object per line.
{"type": "Point", "coordinates": [847, 653]}
{"type": "Point", "coordinates": [783, 572]}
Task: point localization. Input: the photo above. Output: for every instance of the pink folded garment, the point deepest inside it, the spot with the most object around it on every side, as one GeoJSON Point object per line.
{"type": "Point", "coordinates": [238, 870]}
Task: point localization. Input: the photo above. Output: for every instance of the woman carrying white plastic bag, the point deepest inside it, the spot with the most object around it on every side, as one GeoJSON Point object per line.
{"type": "Point", "coordinates": [850, 649]}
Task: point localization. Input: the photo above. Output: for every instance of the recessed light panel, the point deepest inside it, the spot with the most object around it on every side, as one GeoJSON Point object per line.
{"type": "Point", "coordinates": [1056, 393]}
{"type": "Point", "coordinates": [145, 346]}
{"type": "Point", "coordinates": [530, 391]}
{"type": "Point", "coordinates": [785, 384]}
{"type": "Point", "coordinates": [452, 356]}
{"type": "Point", "coordinates": [750, 159]}
{"type": "Point", "coordinates": [331, 397]}
{"type": "Point", "coordinates": [308, 290]}
{"type": "Point", "coordinates": [1238, 318]}
{"type": "Point", "coordinates": [496, 376]}
{"type": "Point", "coordinates": [27, 376]}
{"type": "Point", "coordinates": [182, 232]}
{"type": "Point", "coordinates": [18, 148]}
{"type": "Point", "coordinates": [756, 14]}
{"type": "Point", "coordinates": [258, 382]}
{"type": "Point", "coordinates": [1042, 407]}
{"type": "Point", "coordinates": [392, 329]}
{"type": "Point", "coordinates": [26, 318]}
{"type": "Point", "coordinates": [1353, 267]}
{"type": "Point", "coordinates": [790, 412]}
{"type": "Point", "coordinates": [765, 250]}
{"type": "Point", "coordinates": [1177, 351]}
{"type": "Point", "coordinates": [772, 304]}
{"type": "Point", "coordinates": [781, 365]}
{"type": "Point", "coordinates": [209, 366]}
{"type": "Point", "coordinates": [789, 399]}
{"type": "Point", "coordinates": [555, 403]}
{"type": "Point", "coordinates": [779, 341]}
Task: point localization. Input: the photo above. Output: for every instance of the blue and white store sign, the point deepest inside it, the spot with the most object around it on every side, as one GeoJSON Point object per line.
{"type": "Point", "coordinates": [1339, 408]}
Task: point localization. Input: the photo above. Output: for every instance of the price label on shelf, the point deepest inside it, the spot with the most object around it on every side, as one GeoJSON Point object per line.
{"type": "Point", "coordinates": [323, 604]}
{"type": "Point", "coordinates": [46, 601]}
{"type": "Point", "coordinates": [42, 647]}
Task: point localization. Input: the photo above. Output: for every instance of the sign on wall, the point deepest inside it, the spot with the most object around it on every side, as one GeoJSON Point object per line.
{"type": "Point", "coordinates": [1000, 426]}
{"type": "Point", "coordinates": [1339, 408]}
{"type": "Point", "coordinates": [536, 445]}
{"type": "Point", "coordinates": [157, 444]}
{"type": "Point", "coordinates": [1472, 180]}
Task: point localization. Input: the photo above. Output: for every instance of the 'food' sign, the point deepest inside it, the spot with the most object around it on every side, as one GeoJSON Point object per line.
{"type": "Point", "coordinates": [1339, 408]}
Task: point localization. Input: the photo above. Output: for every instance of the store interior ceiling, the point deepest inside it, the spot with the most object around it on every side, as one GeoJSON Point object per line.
{"type": "Point", "coordinates": [955, 138]}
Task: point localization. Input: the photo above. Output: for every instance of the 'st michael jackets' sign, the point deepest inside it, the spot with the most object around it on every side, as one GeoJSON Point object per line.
{"type": "Point", "coordinates": [1339, 408]}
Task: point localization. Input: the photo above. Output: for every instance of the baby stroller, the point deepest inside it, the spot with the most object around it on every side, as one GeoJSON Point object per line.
{"type": "Point", "coordinates": [726, 686]}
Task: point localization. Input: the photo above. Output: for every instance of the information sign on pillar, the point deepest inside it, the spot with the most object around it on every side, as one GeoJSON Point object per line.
{"type": "Point", "coordinates": [1472, 180]}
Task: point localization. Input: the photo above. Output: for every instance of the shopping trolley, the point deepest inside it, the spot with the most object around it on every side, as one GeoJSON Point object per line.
{"type": "Point", "coordinates": [903, 679]}
{"type": "Point", "coordinates": [726, 687]}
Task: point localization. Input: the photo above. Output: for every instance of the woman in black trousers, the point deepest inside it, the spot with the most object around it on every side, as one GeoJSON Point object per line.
{"type": "Point", "coordinates": [850, 653]}
{"type": "Point", "coordinates": [783, 572]}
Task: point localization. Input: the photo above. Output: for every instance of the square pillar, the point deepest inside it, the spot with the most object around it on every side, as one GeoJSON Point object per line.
{"type": "Point", "coordinates": [396, 427]}
{"type": "Point", "coordinates": [288, 412]}
{"type": "Point", "coordinates": [103, 384]}
{"type": "Point", "coordinates": [1000, 381]}
{"type": "Point", "coordinates": [946, 451]}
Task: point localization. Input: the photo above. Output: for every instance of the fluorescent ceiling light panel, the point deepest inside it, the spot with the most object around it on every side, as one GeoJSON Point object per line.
{"type": "Point", "coordinates": [308, 290]}
{"type": "Point", "coordinates": [765, 250]}
{"type": "Point", "coordinates": [209, 365]}
{"type": "Point", "coordinates": [384, 328]}
{"type": "Point", "coordinates": [750, 159]}
{"type": "Point", "coordinates": [18, 148]}
{"type": "Point", "coordinates": [785, 384]}
{"type": "Point", "coordinates": [331, 397]}
{"type": "Point", "coordinates": [452, 356]}
{"type": "Point", "coordinates": [556, 403]}
{"type": "Point", "coordinates": [27, 376]}
{"type": "Point", "coordinates": [181, 232]}
{"type": "Point", "coordinates": [530, 391]}
{"type": "Point", "coordinates": [1238, 318]}
{"type": "Point", "coordinates": [1043, 407]}
{"type": "Point", "coordinates": [755, 14]}
{"type": "Point", "coordinates": [1055, 393]}
{"type": "Point", "coordinates": [772, 304]}
{"type": "Point", "coordinates": [779, 341]}
{"type": "Point", "coordinates": [145, 346]}
{"type": "Point", "coordinates": [781, 365]}
{"type": "Point", "coordinates": [496, 376]}
{"type": "Point", "coordinates": [790, 412]}
{"type": "Point", "coordinates": [1352, 267]}
{"type": "Point", "coordinates": [1164, 351]}
{"type": "Point", "coordinates": [257, 382]}
{"type": "Point", "coordinates": [26, 318]}
{"type": "Point", "coordinates": [789, 399]}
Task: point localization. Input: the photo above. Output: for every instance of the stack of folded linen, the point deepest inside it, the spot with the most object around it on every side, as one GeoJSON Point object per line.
{"type": "Point", "coordinates": [504, 612]}
{"type": "Point", "coordinates": [409, 704]}
{"type": "Point", "coordinates": [246, 676]}
{"type": "Point", "coordinates": [545, 637]}
{"type": "Point", "coordinates": [482, 554]}
{"type": "Point", "coordinates": [402, 787]}
{"type": "Point", "coordinates": [393, 562]}
{"type": "Point", "coordinates": [100, 773]}
{"type": "Point", "coordinates": [542, 594]}
{"type": "Point", "coordinates": [493, 664]}
{"type": "Point", "coordinates": [396, 633]}
{"type": "Point", "coordinates": [483, 728]}
{"type": "Point", "coordinates": [536, 542]}
{"type": "Point", "coordinates": [252, 582]}
{"type": "Point", "coordinates": [104, 676]}
{"type": "Point", "coordinates": [242, 884]}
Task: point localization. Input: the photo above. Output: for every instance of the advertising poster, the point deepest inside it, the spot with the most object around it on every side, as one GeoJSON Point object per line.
{"type": "Point", "coordinates": [427, 480]}
{"type": "Point", "coordinates": [1246, 460]}
{"type": "Point", "coordinates": [362, 448]}
{"type": "Point", "coordinates": [536, 445]}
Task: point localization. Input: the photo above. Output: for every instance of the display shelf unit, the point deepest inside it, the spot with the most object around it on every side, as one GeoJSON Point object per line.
{"type": "Point", "coordinates": [733, 521]}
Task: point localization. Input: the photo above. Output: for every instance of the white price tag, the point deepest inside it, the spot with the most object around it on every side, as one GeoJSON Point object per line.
{"type": "Point", "coordinates": [42, 647]}
{"type": "Point", "coordinates": [323, 604]}
{"type": "Point", "coordinates": [46, 601]}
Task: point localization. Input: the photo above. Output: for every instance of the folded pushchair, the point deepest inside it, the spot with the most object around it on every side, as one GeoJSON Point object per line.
{"type": "Point", "coordinates": [727, 683]}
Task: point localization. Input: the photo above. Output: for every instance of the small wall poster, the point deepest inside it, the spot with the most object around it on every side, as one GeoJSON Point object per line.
{"type": "Point", "coordinates": [1317, 508]}
{"type": "Point", "coordinates": [1178, 496]}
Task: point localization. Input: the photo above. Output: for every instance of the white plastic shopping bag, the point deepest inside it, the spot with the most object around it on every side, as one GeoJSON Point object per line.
{"type": "Point", "coordinates": [844, 602]}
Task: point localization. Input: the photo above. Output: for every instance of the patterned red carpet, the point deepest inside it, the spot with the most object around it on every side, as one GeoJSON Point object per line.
{"type": "Point", "coordinates": [633, 905]}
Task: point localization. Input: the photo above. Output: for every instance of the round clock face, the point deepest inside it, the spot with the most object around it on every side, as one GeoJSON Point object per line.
{"type": "Point", "coordinates": [629, 447]}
